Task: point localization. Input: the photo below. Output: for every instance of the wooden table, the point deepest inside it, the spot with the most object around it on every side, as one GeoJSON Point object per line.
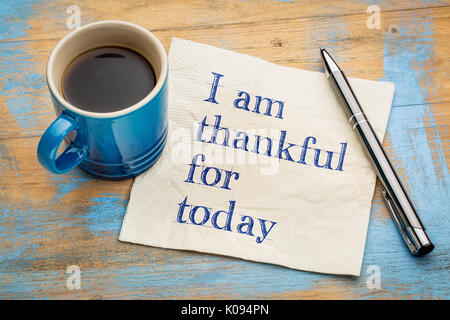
{"type": "Point", "coordinates": [49, 222]}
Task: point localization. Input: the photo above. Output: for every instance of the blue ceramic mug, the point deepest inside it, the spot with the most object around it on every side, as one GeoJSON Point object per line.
{"type": "Point", "coordinates": [116, 144]}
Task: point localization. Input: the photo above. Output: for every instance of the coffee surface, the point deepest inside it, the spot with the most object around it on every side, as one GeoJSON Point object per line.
{"type": "Point", "coordinates": [107, 79]}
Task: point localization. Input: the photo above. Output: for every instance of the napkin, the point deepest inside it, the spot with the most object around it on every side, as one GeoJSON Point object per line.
{"type": "Point", "coordinates": [261, 163]}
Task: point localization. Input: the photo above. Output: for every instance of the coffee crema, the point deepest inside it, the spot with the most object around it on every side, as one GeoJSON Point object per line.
{"type": "Point", "coordinates": [107, 79]}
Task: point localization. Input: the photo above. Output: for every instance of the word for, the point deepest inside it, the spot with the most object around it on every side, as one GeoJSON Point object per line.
{"type": "Point", "coordinates": [284, 150]}
{"type": "Point", "coordinates": [200, 215]}
{"type": "Point", "coordinates": [216, 173]}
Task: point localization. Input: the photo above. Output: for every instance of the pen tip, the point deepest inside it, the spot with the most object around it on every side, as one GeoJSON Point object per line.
{"type": "Point", "coordinates": [425, 249]}
{"type": "Point", "coordinates": [330, 65]}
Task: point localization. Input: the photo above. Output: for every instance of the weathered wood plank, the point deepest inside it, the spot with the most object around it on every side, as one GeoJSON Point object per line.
{"type": "Point", "coordinates": [48, 222]}
{"type": "Point", "coordinates": [167, 15]}
{"type": "Point", "coordinates": [53, 221]}
{"type": "Point", "coordinates": [292, 42]}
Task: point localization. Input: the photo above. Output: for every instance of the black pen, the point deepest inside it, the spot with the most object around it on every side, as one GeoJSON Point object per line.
{"type": "Point", "coordinates": [397, 200]}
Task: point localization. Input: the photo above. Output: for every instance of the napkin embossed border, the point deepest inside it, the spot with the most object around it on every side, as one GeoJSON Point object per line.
{"type": "Point", "coordinates": [261, 164]}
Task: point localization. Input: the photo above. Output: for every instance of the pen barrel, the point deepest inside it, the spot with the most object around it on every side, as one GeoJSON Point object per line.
{"type": "Point", "coordinates": [404, 212]}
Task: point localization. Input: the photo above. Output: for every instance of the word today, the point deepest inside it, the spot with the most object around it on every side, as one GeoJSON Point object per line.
{"type": "Point", "coordinates": [200, 215]}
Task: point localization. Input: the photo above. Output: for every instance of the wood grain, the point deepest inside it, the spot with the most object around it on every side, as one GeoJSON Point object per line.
{"type": "Point", "coordinates": [50, 222]}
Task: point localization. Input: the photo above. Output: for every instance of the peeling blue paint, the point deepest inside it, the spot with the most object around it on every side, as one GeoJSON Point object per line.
{"type": "Point", "coordinates": [406, 55]}
{"type": "Point", "coordinates": [106, 214]}
{"type": "Point", "coordinates": [68, 182]}
{"type": "Point", "coordinates": [13, 16]}
{"type": "Point", "coordinates": [20, 85]}
{"type": "Point", "coordinates": [333, 38]}
{"type": "Point", "coordinates": [400, 272]}
{"type": "Point", "coordinates": [18, 228]}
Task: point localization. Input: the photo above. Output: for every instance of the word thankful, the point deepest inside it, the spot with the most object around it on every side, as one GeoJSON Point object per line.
{"type": "Point", "coordinates": [223, 220]}
{"type": "Point", "coordinates": [267, 146]}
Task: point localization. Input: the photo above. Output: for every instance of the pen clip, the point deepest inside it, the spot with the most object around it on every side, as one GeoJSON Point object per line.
{"type": "Point", "coordinates": [399, 225]}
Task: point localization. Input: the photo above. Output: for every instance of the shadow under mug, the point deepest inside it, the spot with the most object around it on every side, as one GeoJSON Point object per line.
{"type": "Point", "coordinates": [116, 144]}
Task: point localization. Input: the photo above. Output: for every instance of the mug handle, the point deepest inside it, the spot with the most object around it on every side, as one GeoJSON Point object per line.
{"type": "Point", "coordinates": [52, 139]}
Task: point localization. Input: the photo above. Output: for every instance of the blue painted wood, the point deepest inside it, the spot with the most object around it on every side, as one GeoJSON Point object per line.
{"type": "Point", "coordinates": [48, 222]}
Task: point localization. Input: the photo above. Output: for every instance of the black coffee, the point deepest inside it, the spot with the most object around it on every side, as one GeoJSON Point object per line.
{"type": "Point", "coordinates": [107, 79]}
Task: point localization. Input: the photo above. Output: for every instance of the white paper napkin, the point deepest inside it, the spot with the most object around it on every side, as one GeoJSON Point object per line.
{"type": "Point", "coordinates": [261, 163]}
